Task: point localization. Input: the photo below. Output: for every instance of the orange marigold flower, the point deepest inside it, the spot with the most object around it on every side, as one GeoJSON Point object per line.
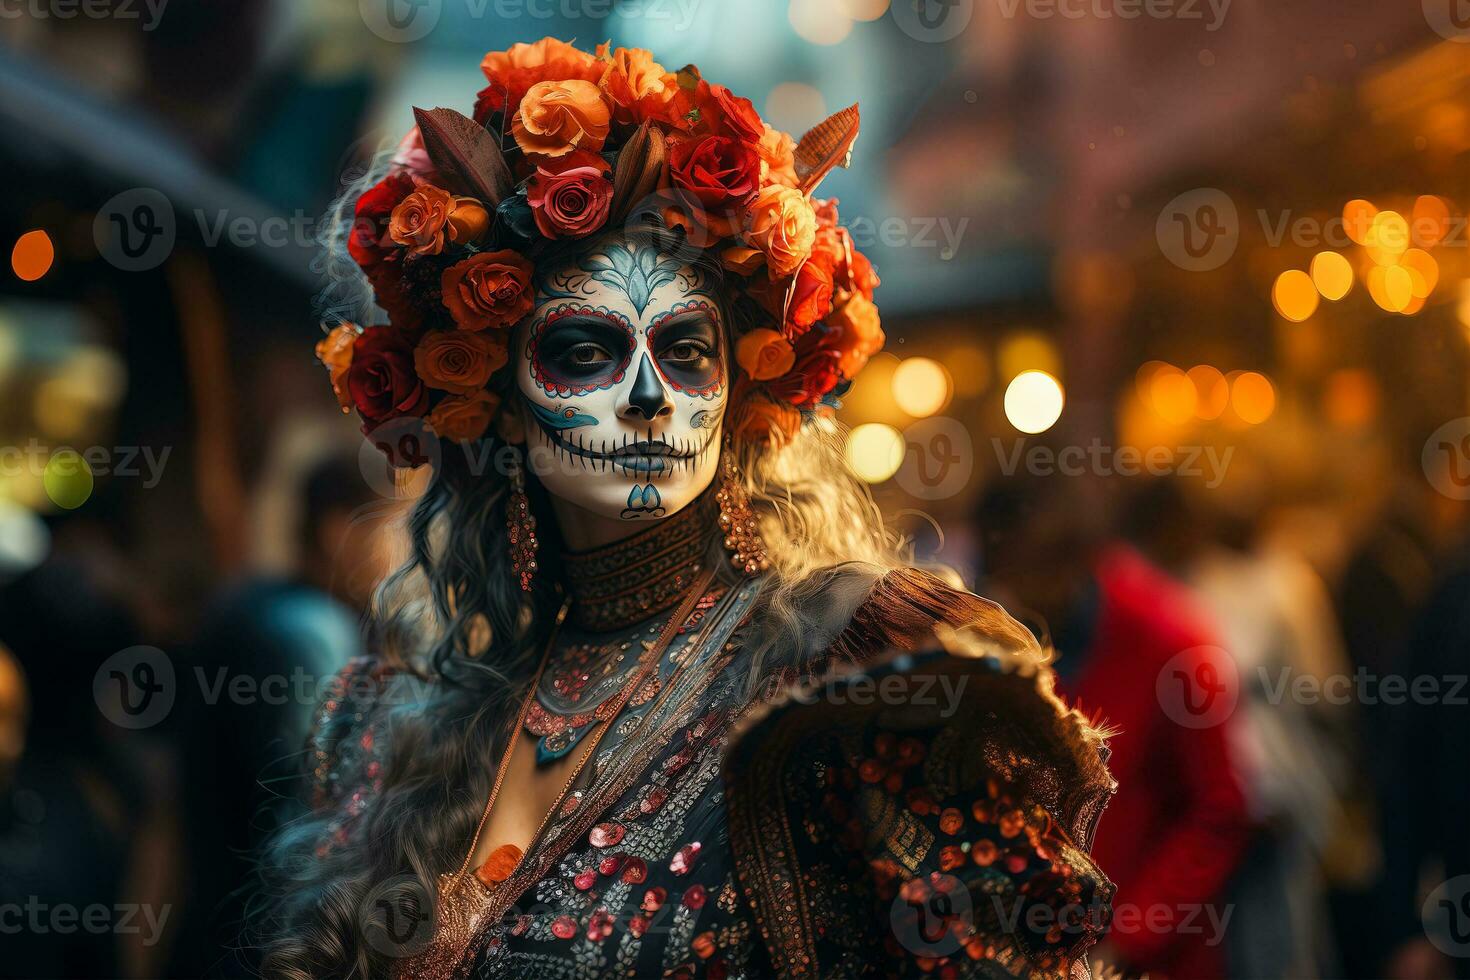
{"type": "Point", "coordinates": [760, 418]}
{"type": "Point", "coordinates": [511, 73]}
{"type": "Point", "coordinates": [764, 354]}
{"type": "Point", "coordinates": [778, 158]}
{"type": "Point", "coordinates": [424, 219]}
{"type": "Point", "coordinates": [489, 289]}
{"type": "Point", "coordinates": [860, 333]}
{"type": "Point", "coordinates": [631, 77]}
{"type": "Point", "coordinates": [458, 360]}
{"type": "Point", "coordinates": [335, 352]}
{"type": "Point", "coordinates": [782, 225]}
{"type": "Point", "coordinates": [558, 117]}
{"type": "Point", "coordinates": [462, 418]}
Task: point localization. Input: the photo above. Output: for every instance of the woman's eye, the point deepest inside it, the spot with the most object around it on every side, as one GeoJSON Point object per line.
{"type": "Point", "coordinates": [686, 350]}
{"type": "Point", "coordinates": [588, 355]}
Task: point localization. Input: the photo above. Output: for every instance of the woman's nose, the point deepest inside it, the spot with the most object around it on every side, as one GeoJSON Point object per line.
{"type": "Point", "coordinates": [647, 397]}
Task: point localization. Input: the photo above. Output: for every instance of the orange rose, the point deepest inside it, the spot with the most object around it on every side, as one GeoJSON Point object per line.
{"type": "Point", "coordinates": [335, 352]}
{"type": "Point", "coordinates": [778, 158]}
{"type": "Point", "coordinates": [490, 289]}
{"type": "Point", "coordinates": [457, 360]}
{"type": "Point", "coordinates": [424, 219]}
{"type": "Point", "coordinates": [631, 77]}
{"type": "Point", "coordinates": [764, 354]}
{"type": "Point", "coordinates": [462, 418]}
{"type": "Point", "coordinates": [782, 225]}
{"type": "Point", "coordinates": [859, 333]}
{"type": "Point", "coordinates": [760, 418]}
{"type": "Point", "coordinates": [512, 72]}
{"type": "Point", "coordinates": [556, 118]}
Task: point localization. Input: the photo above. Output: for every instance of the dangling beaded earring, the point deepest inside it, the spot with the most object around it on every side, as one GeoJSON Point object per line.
{"type": "Point", "coordinates": [737, 520]}
{"type": "Point", "coordinates": [521, 526]}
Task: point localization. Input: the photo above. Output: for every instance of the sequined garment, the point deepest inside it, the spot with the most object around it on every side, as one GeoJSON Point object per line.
{"type": "Point", "coordinates": [735, 830]}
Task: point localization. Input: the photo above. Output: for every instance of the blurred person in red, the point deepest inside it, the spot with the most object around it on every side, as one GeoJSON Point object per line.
{"type": "Point", "coordinates": [1176, 830]}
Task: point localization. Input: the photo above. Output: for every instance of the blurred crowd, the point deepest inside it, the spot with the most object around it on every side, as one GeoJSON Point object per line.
{"type": "Point", "coordinates": [1282, 657]}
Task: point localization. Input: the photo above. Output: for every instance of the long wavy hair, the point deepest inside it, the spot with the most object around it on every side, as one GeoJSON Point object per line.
{"type": "Point", "coordinates": [454, 615]}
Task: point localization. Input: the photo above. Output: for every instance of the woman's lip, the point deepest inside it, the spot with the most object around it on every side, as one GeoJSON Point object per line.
{"type": "Point", "coordinates": [645, 449]}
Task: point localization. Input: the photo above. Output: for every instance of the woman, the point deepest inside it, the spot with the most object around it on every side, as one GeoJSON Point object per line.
{"type": "Point", "coordinates": [656, 695]}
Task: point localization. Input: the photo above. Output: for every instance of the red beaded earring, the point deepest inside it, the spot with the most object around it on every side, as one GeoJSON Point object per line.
{"type": "Point", "coordinates": [737, 521]}
{"type": "Point", "coordinates": [521, 527]}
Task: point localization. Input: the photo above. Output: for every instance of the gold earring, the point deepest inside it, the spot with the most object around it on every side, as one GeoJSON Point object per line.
{"type": "Point", "coordinates": [737, 521]}
{"type": "Point", "coordinates": [521, 526]}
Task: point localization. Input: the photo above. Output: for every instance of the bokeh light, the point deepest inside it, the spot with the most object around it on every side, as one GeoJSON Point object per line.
{"type": "Point", "coordinates": [795, 107]}
{"type": "Point", "coordinates": [32, 256]}
{"type": "Point", "coordinates": [1429, 220]}
{"type": "Point", "coordinates": [1332, 274]}
{"type": "Point", "coordinates": [864, 9]}
{"type": "Point", "coordinates": [1028, 351]}
{"type": "Point", "coordinates": [875, 451]}
{"type": "Point", "coordinates": [921, 387]}
{"type": "Point", "coordinates": [1423, 271]}
{"type": "Point", "coordinates": [819, 21]}
{"type": "Point", "coordinates": [1034, 401]}
{"type": "Point", "coordinates": [1172, 395]}
{"type": "Point", "coordinates": [1357, 218]}
{"type": "Point", "coordinates": [1388, 237]}
{"type": "Point", "coordinates": [68, 479]}
{"type": "Point", "coordinates": [1252, 397]}
{"type": "Point", "coordinates": [1294, 295]}
{"type": "Point", "coordinates": [1212, 391]}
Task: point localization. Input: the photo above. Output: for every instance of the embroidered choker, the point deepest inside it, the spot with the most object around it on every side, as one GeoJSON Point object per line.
{"type": "Point", "coordinates": [630, 580]}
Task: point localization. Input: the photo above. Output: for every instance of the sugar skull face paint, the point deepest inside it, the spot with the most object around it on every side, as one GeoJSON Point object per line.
{"type": "Point", "coordinates": [623, 379]}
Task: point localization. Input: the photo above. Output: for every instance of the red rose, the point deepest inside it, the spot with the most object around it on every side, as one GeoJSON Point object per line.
{"type": "Point", "coordinates": [811, 299]}
{"type": "Point", "coordinates": [489, 289]}
{"type": "Point", "coordinates": [368, 242]}
{"type": "Point", "coordinates": [571, 198]}
{"type": "Point", "coordinates": [381, 380]}
{"type": "Point", "coordinates": [815, 372]}
{"type": "Point", "coordinates": [739, 116]}
{"type": "Point", "coordinates": [724, 173]}
{"type": "Point", "coordinates": [864, 278]}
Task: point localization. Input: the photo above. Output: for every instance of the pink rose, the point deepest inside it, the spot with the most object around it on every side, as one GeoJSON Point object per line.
{"type": "Point", "coordinates": [570, 201]}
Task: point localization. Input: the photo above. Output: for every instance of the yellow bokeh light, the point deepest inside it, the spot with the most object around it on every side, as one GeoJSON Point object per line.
{"type": "Point", "coordinates": [1357, 217]}
{"type": "Point", "coordinates": [795, 106]}
{"type": "Point", "coordinates": [921, 387]}
{"type": "Point", "coordinates": [1252, 397]}
{"type": "Point", "coordinates": [1332, 274]}
{"type": "Point", "coordinates": [875, 451]}
{"type": "Point", "coordinates": [1429, 220]}
{"type": "Point", "coordinates": [1172, 395]}
{"type": "Point", "coordinates": [819, 21]}
{"type": "Point", "coordinates": [864, 9]}
{"type": "Point", "coordinates": [1398, 287]}
{"type": "Point", "coordinates": [68, 479]}
{"type": "Point", "coordinates": [1388, 237]}
{"type": "Point", "coordinates": [1424, 270]}
{"type": "Point", "coordinates": [1294, 295]}
{"type": "Point", "coordinates": [1028, 351]}
{"type": "Point", "coordinates": [969, 369]}
{"type": "Point", "coordinates": [1034, 401]}
{"type": "Point", "coordinates": [32, 256]}
{"type": "Point", "coordinates": [1143, 380]}
{"type": "Point", "coordinates": [1212, 392]}
{"type": "Point", "coordinates": [870, 399]}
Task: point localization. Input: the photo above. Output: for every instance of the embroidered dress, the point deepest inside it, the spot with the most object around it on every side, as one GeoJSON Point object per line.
{"type": "Point", "coordinates": [807, 826]}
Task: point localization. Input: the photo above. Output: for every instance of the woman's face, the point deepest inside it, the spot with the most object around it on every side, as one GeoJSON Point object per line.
{"type": "Point", "coordinates": [623, 379]}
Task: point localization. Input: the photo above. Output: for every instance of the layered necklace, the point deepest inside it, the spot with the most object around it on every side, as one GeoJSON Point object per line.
{"type": "Point", "coordinates": [617, 593]}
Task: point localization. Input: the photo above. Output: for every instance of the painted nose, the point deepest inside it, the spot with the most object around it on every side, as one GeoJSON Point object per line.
{"type": "Point", "coordinates": [648, 397]}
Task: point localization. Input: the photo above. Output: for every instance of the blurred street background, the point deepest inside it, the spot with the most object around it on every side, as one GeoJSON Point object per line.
{"type": "Point", "coordinates": [1178, 303]}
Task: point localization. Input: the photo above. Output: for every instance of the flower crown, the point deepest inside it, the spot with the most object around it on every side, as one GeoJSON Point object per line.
{"type": "Point", "coordinates": [563, 145]}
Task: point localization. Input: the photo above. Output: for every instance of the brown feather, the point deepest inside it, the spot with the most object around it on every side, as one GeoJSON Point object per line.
{"type": "Point", "coordinates": [826, 145]}
{"type": "Point", "coordinates": [466, 155]}
{"type": "Point", "coordinates": [639, 170]}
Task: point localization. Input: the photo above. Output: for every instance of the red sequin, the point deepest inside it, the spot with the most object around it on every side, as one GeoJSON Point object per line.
{"type": "Point", "coordinates": [585, 880]}
{"type": "Point", "coordinates": [684, 860]}
{"type": "Point", "coordinates": [695, 897]}
{"type": "Point", "coordinates": [600, 926]}
{"type": "Point", "coordinates": [635, 872]}
{"type": "Point", "coordinates": [565, 927]}
{"type": "Point", "coordinates": [606, 835]}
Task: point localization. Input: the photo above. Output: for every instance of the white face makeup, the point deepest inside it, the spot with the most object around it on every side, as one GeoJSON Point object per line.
{"type": "Point", "coordinates": [623, 381]}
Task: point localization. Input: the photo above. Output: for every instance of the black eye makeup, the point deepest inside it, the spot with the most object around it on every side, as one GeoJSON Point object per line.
{"type": "Point", "coordinates": [687, 346]}
{"type": "Point", "coordinates": [577, 349]}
